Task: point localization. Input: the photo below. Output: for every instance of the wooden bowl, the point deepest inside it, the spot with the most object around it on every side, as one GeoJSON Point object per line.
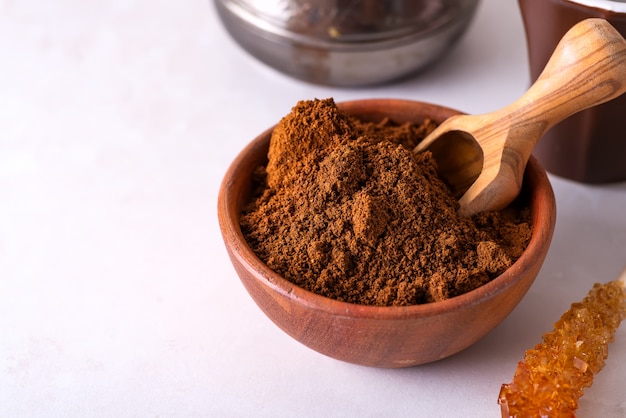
{"type": "Point", "coordinates": [371, 335]}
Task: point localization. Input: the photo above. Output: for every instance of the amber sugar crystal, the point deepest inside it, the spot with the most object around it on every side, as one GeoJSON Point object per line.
{"type": "Point", "coordinates": [551, 378]}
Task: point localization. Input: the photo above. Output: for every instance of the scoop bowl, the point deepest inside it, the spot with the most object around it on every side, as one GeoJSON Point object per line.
{"type": "Point", "coordinates": [390, 337]}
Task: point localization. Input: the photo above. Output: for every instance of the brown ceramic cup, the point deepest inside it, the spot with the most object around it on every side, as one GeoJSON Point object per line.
{"type": "Point", "coordinates": [590, 146]}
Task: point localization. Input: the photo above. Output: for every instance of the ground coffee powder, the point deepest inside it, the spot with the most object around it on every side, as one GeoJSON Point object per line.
{"type": "Point", "coordinates": [345, 209]}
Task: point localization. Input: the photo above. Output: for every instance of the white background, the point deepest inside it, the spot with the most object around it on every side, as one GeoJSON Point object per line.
{"type": "Point", "coordinates": [118, 120]}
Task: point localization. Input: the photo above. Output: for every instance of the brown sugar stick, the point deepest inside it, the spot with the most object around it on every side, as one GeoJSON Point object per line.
{"type": "Point", "coordinates": [552, 376]}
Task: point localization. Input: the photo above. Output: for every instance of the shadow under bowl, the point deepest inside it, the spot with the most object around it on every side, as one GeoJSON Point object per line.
{"type": "Point", "coordinates": [382, 336]}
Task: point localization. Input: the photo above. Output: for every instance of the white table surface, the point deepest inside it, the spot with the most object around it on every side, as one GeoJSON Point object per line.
{"type": "Point", "coordinates": [118, 120]}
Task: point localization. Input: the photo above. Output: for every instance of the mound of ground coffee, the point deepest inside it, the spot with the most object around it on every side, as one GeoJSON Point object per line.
{"type": "Point", "coordinates": [345, 209]}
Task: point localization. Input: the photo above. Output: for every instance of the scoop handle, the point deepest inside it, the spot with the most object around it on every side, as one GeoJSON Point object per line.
{"type": "Point", "coordinates": [587, 68]}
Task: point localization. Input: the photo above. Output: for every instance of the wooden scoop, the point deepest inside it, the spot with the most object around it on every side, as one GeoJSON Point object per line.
{"type": "Point", "coordinates": [483, 157]}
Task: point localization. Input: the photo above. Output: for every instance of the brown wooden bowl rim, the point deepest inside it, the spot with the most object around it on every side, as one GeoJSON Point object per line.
{"type": "Point", "coordinates": [544, 216]}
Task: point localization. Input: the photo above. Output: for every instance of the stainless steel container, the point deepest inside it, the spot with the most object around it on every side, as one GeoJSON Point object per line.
{"type": "Point", "coordinates": [347, 42]}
